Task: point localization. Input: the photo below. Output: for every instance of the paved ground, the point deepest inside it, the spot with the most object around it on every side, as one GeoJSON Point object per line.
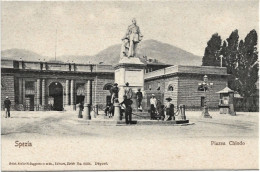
{"type": "Point", "coordinates": [60, 137]}
{"type": "Point", "coordinates": [59, 124]}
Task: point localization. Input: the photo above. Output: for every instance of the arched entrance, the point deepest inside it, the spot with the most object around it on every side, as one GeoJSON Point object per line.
{"type": "Point", "coordinates": [56, 92]}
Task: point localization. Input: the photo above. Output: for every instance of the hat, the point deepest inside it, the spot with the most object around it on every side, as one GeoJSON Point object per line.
{"type": "Point", "coordinates": [115, 84]}
{"type": "Point", "coordinates": [127, 84]}
{"type": "Point", "coordinates": [6, 97]}
{"type": "Point", "coordinates": [168, 99]}
{"type": "Point", "coordinates": [153, 95]}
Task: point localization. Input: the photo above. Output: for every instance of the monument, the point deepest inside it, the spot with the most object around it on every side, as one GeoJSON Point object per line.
{"type": "Point", "coordinates": [130, 69]}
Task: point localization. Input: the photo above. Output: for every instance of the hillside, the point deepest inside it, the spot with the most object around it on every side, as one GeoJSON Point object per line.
{"type": "Point", "coordinates": [164, 53]}
{"type": "Point", "coordinates": [20, 54]}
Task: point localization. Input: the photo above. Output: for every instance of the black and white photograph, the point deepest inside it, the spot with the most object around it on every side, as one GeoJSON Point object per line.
{"type": "Point", "coordinates": [129, 85]}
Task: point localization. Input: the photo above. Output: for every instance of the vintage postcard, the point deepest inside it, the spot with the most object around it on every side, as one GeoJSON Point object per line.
{"type": "Point", "coordinates": [129, 85]}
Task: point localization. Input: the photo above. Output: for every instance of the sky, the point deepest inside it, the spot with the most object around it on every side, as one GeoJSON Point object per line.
{"type": "Point", "coordinates": [85, 28]}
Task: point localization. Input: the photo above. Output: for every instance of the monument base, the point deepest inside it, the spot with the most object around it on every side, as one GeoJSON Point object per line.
{"type": "Point", "coordinates": [130, 60]}
{"type": "Point", "coordinates": [129, 70]}
{"type": "Point", "coordinates": [205, 113]}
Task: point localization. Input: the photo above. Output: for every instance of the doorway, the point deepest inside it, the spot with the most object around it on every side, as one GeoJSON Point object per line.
{"type": "Point", "coordinates": [80, 99]}
{"type": "Point", "coordinates": [29, 102]}
{"type": "Point", "coordinates": [56, 91]}
{"type": "Point", "coordinates": [108, 100]}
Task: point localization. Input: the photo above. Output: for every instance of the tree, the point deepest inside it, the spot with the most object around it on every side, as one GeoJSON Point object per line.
{"type": "Point", "coordinates": [230, 57]}
{"type": "Point", "coordinates": [223, 53]}
{"type": "Point", "coordinates": [229, 51]}
{"type": "Point", "coordinates": [212, 51]}
{"type": "Point", "coordinates": [240, 58]}
{"type": "Point", "coordinates": [247, 67]}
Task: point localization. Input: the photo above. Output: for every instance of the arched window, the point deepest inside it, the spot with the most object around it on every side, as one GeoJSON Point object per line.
{"type": "Point", "coordinates": [170, 88]}
{"type": "Point", "coordinates": [107, 86]}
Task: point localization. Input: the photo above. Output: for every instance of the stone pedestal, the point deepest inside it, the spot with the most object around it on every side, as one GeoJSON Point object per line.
{"type": "Point", "coordinates": [205, 112]}
{"type": "Point", "coordinates": [96, 109]}
{"type": "Point", "coordinates": [182, 112]}
{"type": "Point", "coordinates": [87, 111]}
{"type": "Point", "coordinates": [116, 112]}
{"type": "Point", "coordinates": [129, 70]}
{"type": "Point", "coordinates": [79, 111]}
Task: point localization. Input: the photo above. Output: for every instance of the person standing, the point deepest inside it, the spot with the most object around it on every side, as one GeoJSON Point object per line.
{"type": "Point", "coordinates": [128, 109]}
{"type": "Point", "coordinates": [114, 93]}
{"type": "Point", "coordinates": [128, 91]}
{"type": "Point", "coordinates": [153, 103]}
{"type": "Point", "coordinates": [169, 109]}
{"type": "Point", "coordinates": [7, 104]}
{"type": "Point", "coordinates": [139, 97]}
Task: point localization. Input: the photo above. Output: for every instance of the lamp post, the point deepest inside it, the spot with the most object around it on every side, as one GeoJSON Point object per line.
{"type": "Point", "coordinates": [205, 85]}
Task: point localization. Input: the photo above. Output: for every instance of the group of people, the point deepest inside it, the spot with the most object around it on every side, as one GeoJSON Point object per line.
{"type": "Point", "coordinates": [158, 110]}
{"type": "Point", "coordinates": [125, 104]}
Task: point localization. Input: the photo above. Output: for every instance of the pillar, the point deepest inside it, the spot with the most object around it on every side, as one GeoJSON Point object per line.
{"type": "Point", "coordinates": [231, 104]}
{"type": "Point", "coordinates": [67, 93]}
{"type": "Point", "coordinates": [38, 93]}
{"type": "Point", "coordinates": [72, 101]}
{"type": "Point", "coordinates": [43, 93]}
{"type": "Point", "coordinates": [87, 103]}
{"type": "Point", "coordinates": [89, 92]}
{"type": "Point", "coordinates": [20, 91]}
{"type": "Point", "coordinates": [79, 111]}
{"type": "Point", "coordinates": [116, 112]}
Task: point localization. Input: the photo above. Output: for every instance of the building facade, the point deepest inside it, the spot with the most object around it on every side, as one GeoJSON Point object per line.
{"type": "Point", "coordinates": [34, 86]}
{"type": "Point", "coordinates": [54, 86]}
{"type": "Point", "coordinates": [181, 83]}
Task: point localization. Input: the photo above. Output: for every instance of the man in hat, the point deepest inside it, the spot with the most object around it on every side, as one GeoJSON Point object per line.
{"type": "Point", "coordinates": [169, 109]}
{"type": "Point", "coordinates": [128, 109]}
{"type": "Point", "coordinates": [114, 93]}
{"type": "Point", "coordinates": [153, 103]}
{"type": "Point", "coordinates": [128, 91]}
{"type": "Point", "coordinates": [139, 97]}
{"type": "Point", "coordinates": [7, 104]}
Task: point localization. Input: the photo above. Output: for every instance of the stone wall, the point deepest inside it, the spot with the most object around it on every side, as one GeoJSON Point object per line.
{"type": "Point", "coordinates": [99, 98]}
{"type": "Point", "coordinates": [7, 89]}
{"type": "Point", "coordinates": [185, 89]}
{"type": "Point", "coordinates": [189, 95]}
{"type": "Point", "coordinates": [164, 84]}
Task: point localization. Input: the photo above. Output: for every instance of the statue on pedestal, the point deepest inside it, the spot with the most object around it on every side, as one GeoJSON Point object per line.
{"type": "Point", "coordinates": [132, 37]}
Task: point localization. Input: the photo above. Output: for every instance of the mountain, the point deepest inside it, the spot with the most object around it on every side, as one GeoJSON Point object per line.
{"type": "Point", "coordinates": [153, 49]}
{"type": "Point", "coordinates": [20, 54]}
{"type": "Point", "coordinates": [167, 53]}
{"type": "Point", "coordinates": [26, 55]}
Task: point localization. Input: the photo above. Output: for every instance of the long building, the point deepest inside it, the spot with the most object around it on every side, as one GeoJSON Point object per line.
{"type": "Point", "coordinates": [181, 83]}
{"type": "Point", "coordinates": [60, 86]}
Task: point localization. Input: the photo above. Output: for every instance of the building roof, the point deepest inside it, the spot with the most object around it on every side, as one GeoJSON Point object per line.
{"type": "Point", "coordinates": [225, 90]}
{"type": "Point", "coordinates": [172, 70]}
